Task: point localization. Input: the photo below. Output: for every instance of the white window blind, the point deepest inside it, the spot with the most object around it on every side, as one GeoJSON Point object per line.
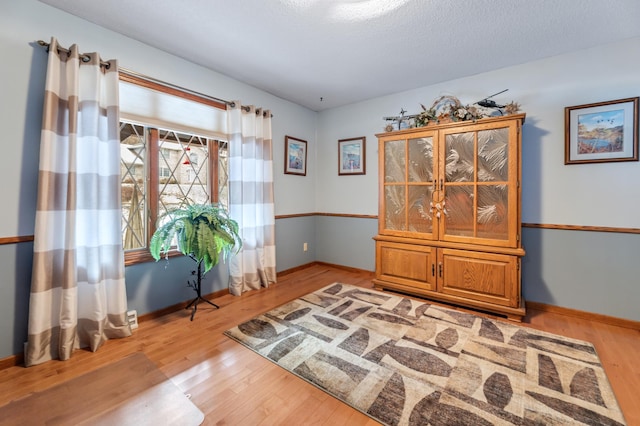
{"type": "Point", "coordinates": [144, 105]}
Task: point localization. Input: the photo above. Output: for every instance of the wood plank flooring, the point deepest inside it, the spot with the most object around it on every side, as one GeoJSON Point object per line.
{"type": "Point", "coordinates": [106, 398]}
{"type": "Point", "coordinates": [234, 386]}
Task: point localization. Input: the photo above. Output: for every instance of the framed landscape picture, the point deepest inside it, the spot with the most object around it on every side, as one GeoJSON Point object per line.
{"type": "Point", "coordinates": [601, 132]}
{"type": "Point", "coordinates": [352, 156]}
{"type": "Point", "coordinates": [295, 156]}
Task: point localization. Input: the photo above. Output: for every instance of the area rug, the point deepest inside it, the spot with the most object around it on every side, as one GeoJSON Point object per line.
{"type": "Point", "coordinates": [132, 391]}
{"type": "Point", "coordinates": [408, 362]}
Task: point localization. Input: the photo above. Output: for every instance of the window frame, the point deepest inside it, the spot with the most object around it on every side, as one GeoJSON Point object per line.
{"type": "Point", "coordinates": [152, 177]}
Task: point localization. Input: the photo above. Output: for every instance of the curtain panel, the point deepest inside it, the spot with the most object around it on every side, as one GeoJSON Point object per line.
{"type": "Point", "coordinates": [251, 201]}
{"type": "Point", "coordinates": [78, 295]}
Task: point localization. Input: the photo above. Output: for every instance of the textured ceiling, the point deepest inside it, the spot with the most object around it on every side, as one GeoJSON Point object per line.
{"type": "Point", "coordinates": [345, 51]}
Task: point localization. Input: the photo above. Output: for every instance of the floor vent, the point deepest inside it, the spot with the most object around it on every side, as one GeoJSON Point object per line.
{"type": "Point", "coordinates": [132, 318]}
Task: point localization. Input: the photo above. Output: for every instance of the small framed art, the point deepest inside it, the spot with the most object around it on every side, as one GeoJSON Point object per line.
{"type": "Point", "coordinates": [295, 156]}
{"type": "Point", "coordinates": [601, 132]}
{"type": "Point", "coordinates": [352, 156]}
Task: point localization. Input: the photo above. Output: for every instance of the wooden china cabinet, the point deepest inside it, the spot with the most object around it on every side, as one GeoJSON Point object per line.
{"type": "Point", "coordinates": [449, 213]}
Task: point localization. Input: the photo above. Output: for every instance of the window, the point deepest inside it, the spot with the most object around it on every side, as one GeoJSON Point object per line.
{"type": "Point", "coordinates": [164, 172]}
{"type": "Point", "coordinates": [194, 159]}
{"type": "Point", "coordinates": [162, 168]}
{"type": "Point", "coordinates": [178, 180]}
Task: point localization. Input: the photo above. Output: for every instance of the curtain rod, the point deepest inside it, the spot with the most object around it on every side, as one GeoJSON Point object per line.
{"type": "Point", "coordinates": [85, 58]}
{"type": "Point", "coordinates": [173, 86]}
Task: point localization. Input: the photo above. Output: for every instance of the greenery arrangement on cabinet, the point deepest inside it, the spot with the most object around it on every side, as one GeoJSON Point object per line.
{"type": "Point", "coordinates": [204, 232]}
{"type": "Point", "coordinates": [447, 109]}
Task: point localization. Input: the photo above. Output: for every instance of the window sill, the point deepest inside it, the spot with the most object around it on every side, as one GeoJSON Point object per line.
{"type": "Point", "coordinates": [134, 257]}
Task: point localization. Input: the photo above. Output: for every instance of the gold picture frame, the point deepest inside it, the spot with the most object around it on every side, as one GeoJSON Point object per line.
{"type": "Point", "coordinates": [601, 132]}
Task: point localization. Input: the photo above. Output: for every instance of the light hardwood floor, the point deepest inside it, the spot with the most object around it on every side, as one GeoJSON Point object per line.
{"type": "Point", "coordinates": [234, 386]}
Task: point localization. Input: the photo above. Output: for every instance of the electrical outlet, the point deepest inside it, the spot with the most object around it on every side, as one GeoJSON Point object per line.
{"type": "Point", "coordinates": [132, 318]}
{"type": "Point", "coordinates": [305, 247]}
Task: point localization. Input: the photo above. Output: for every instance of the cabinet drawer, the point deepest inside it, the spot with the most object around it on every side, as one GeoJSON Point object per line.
{"type": "Point", "coordinates": [486, 277]}
{"type": "Point", "coordinates": [406, 264]}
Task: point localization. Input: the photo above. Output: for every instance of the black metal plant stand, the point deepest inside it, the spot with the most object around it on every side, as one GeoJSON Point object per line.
{"type": "Point", "coordinates": [196, 285]}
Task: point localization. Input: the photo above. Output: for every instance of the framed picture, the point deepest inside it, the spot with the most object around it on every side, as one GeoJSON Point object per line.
{"type": "Point", "coordinates": [295, 156]}
{"type": "Point", "coordinates": [352, 156]}
{"type": "Point", "coordinates": [601, 132]}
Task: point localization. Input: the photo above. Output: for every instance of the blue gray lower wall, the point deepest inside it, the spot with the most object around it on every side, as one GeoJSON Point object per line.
{"type": "Point", "coordinates": [154, 286]}
{"type": "Point", "coordinates": [347, 241]}
{"type": "Point", "coordinates": [150, 287]}
{"type": "Point", "coordinates": [596, 272]}
{"type": "Point", "coordinates": [588, 271]}
{"type": "Point", "coordinates": [291, 235]}
{"type": "Point", "coordinates": [15, 263]}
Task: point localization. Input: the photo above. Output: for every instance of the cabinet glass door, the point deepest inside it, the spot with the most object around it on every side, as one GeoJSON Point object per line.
{"type": "Point", "coordinates": [492, 210]}
{"type": "Point", "coordinates": [408, 186]}
{"type": "Point", "coordinates": [478, 186]}
{"type": "Point", "coordinates": [420, 184]}
{"type": "Point", "coordinates": [395, 171]}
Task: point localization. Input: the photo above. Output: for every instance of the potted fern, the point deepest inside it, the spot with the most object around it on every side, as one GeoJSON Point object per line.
{"type": "Point", "coordinates": [204, 232]}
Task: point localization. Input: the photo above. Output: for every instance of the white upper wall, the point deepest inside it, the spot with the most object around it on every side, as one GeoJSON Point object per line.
{"type": "Point", "coordinates": [606, 194]}
{"type": "Point", "coordinates": [24, 22]}
{"type": "Point", "coordinates": [591, 194]}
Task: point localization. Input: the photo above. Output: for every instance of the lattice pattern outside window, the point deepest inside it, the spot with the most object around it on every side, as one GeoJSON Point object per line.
{"type": "Point", "coordinates": [187, 181]}
{"type": "Point", "coordinates": [185, 165]}
{"type": "Point", "coordinates": [133, 169]}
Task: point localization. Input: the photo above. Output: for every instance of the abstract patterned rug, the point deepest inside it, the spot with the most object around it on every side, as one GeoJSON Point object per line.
{"type": "Point", "coordinates": [409, 362]}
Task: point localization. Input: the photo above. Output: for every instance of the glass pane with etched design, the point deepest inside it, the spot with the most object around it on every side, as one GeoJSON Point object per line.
{"type": "Point", "coordinates": [420, 160]}
{"type": "Point", "coordinates": [493, 155]}
{"type": "Point", "coordinates": [493, 212]}
{"type": "Point", "coordinates": [133, 145]}
{"type": "Point", "coordinates": [394, 213]}
{"type": "Point", "coordinates": [420, 217]}
{"type": "Point", "coordinates": [459, 157]}
{"type": "Point", "coordinates": [394, 161]}
{"type": "Point", "coordinates": [458, 210]}
{"type": "Point", "coordinates": [223, 173]}
{"type": "Point", "coordinates": [182, 163]}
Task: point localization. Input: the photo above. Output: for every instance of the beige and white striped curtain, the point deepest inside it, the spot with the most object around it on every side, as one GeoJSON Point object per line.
{"type": "Point", "coordinates": [78, 297]}
{"type": "Point", "coordinates": [251, 197]}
